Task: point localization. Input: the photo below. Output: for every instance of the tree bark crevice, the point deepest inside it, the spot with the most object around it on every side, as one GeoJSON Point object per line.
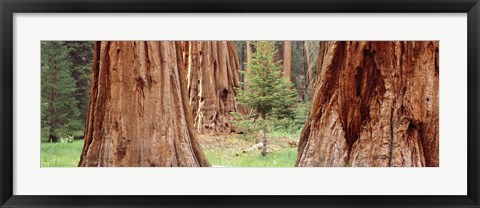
{"type": "Point", "coordinates": [213, 76]}
{"type": "Point", "coordinates": [139, 113]}
{"type": "Point", "coordinates": [375, 104]}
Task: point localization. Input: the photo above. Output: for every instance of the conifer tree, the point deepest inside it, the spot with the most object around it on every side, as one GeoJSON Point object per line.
{"type": "Point", "coordinates": [268, 93]}
{"type": "Point", "coordinates": [365, 114]}
{"type": "Point", "coordinates": [143, 119]}
{"type": "Point", "coordinates": [58, 104]}
{"type": "Point", "coordinates": [80, 54]}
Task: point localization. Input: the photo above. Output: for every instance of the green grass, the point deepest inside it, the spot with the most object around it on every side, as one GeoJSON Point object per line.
{"type": "Point", "coordinates": [284, 158]}
{"type": "Point", "coordinates": [68, 155]}
{"type": "Point", "coordinates": [61, 154]}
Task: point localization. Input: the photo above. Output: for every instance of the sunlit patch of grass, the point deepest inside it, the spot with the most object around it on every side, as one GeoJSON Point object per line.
{"type": "Point", "coordinates": [61, 154]}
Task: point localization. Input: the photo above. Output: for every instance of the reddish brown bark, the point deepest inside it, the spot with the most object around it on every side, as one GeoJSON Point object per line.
{"type": "Point", "coordinates": [138, 112]}
{"type": "Point", "coordinates": [287, 59]}
{"type": "Point", "coordinates": [375, 104]}
{"type": "Point", "coordinates": [213, 75]}
{"type": "Point", "coordinates": [309, 66]}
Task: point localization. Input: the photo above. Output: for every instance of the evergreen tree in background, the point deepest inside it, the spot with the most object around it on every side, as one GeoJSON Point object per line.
{"type": "Point", "coordinates": [267, 92]}
{"type": "Point", "coordinates": [58, 104]}
{"type": "Point", "coordinates": [80, 54]}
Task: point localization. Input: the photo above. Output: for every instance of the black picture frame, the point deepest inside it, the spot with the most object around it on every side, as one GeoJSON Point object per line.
{"type": "Point", "coordinates": [9, 7]}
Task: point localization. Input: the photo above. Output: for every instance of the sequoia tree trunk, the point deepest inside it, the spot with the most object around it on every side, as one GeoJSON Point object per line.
{"type": "Point", "coordinates": [138, 113]}
{"type": "Point", "coordinates": [287, 59]}
{"type": "Point", "coordinates": [320, 57]}
{"type": "Point", "coordinates": [375, 104]}
{"type": "Point", "coordinates": [213, 74]}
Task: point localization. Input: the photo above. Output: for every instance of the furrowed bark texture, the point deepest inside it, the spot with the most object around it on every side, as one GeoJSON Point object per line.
{"type": "Point", "coordinates": [213, 73]}
{"type": "Point", "coordinates": [309, 66]}
{"type": "Point", "coordinates": [375, 104]}
{"type": "Point", "coordinates": [138, 112]}
{"type": "Point", "coordinates": [287, 59]}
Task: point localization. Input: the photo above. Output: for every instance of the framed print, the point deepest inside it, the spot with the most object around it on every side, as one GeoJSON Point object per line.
{"type": "Point", "coordinates": [248, 104]}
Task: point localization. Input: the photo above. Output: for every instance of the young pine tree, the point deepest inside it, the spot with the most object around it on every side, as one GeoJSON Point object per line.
{"type": "Point", "coordinates": [58, 104]}
{"type": "Point", "coordinates": [267, 92]}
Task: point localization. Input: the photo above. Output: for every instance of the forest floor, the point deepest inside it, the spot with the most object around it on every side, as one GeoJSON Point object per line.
{"type": "Point", "coordinates": [232, 150]}
{"type": "Point", "coordinates": [236, 150]}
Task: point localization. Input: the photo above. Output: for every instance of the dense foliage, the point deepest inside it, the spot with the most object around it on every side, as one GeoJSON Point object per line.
{"type": "Point", "coordinates": [266, 91]}
{"type": "Point", "coordinates": [65, 77]}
